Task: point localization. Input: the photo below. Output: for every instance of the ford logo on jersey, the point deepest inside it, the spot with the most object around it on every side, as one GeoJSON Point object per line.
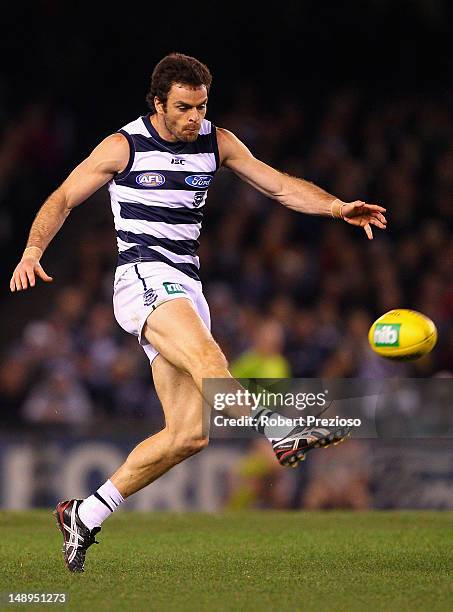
{"type": "Point", "coordinates": [150, 179]}
{"type": "Point", "coordinates": [200, 181]}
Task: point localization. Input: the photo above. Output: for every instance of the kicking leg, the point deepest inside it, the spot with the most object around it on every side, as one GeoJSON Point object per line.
{"type": "Point", "coordinates": [178, 333]}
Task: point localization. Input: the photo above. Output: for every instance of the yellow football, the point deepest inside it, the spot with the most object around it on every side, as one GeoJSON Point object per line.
{"type": "Point", "coordinates": [402, 335]}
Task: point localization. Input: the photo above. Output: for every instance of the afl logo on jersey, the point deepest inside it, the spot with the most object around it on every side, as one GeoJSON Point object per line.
{"type": "Point", "coordinates": [150, 179]}
{"type": "Point", "coordinates": [200, 181]}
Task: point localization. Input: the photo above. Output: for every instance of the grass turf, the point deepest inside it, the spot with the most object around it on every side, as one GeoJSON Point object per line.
{"type": "Point", "coordinates": [239, 561]}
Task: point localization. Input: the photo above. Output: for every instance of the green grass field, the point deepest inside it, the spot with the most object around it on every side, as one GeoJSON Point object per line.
{"type": "Point", "coordinates": [239, 561]}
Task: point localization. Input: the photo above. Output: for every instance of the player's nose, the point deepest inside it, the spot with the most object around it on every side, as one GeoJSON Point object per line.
{"type": "Point", "coordinates": [194, 116]}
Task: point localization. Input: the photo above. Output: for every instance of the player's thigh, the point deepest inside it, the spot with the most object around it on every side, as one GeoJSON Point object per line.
{"type": "Point", "coordinates": [178, 333]}
{"type": "Point", "coordinates": [186, 414]}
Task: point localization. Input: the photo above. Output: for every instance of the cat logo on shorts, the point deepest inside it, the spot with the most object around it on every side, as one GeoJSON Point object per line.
{"type": "Point", "coordinates": [172, 288]}
{"type": "Point", "coordinates": [149, 297]}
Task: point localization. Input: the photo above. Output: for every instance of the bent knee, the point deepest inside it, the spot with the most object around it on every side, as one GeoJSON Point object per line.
{"type": "Point", "coordinates": [186, 446]}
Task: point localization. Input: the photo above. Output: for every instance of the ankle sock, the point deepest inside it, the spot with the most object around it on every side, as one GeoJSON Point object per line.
{"type": "Point", "coordinates": [96, 508]}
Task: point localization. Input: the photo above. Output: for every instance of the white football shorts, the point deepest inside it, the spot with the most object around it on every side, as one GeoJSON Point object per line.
{"type": "Point", "coordinates": [144, 286]}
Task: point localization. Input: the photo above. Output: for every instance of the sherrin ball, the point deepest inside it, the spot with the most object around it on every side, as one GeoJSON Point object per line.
{"type": "Point", "coordinates": [402, 335]}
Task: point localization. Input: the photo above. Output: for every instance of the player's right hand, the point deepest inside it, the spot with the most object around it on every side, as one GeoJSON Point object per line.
{"type": "Point", "coordinates": [25, 273]}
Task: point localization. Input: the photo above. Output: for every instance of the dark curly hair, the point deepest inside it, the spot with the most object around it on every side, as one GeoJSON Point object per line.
{"type": "Point", "coordinates": [176, 68]}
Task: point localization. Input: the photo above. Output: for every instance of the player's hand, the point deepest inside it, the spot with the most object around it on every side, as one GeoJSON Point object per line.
{"type": "Point", "coordinates": [26, 271]}
{"type": "Point", "coordinates": [364, 215]}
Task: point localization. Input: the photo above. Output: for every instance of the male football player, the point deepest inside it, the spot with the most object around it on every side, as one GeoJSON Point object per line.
{"type": "Point", "coordinates": [158, 169]}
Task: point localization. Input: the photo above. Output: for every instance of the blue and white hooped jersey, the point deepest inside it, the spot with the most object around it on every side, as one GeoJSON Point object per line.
{"type": "Point", "coordinates": [157, 202]}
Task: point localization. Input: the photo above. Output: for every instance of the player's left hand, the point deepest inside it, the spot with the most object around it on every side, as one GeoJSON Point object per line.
{"type": "Point", "coordinates": [364, 215]}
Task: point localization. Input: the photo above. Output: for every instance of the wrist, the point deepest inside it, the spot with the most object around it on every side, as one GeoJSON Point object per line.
{"type": "Point", "coordinates": [32, 251]}
{"type": "Point", "coordinates": [336, 209]}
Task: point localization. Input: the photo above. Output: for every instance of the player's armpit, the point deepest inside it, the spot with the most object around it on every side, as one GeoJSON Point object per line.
{"type": "Point", "coordinates": [108, 158]}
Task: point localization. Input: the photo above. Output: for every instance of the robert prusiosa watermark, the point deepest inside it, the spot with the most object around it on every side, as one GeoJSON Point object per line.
{"type": "Point", "coordinates": [256, 401]}
{"type": "Point", "coordinates": [376, 408]}
{"type": "Point", "coordinates": [267, 399]}
{"type": "Point", "coordinates": [279, 421]}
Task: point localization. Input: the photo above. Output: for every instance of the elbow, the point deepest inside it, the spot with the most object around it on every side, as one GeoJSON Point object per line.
{"type": "Point", "coordinates": [278, 194]}
{"type": "Point", "coordinates": [66, 209]}
{"type": "Point", "coordinates": [283, 190]}
{"type": "Point", "coordinates": [66, 202]}
{"type": "Point", "coordinates": [284, 199]}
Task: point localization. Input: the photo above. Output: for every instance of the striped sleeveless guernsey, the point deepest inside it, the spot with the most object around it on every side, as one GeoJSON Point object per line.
{"type": "Point", "coordinates": [157, 202]}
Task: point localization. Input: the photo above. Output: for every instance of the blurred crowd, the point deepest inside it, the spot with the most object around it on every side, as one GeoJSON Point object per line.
{"type": "Point", "coordinates": [290, 294]}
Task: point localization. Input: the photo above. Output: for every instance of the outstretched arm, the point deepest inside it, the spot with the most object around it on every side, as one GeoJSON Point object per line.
{"type": "Point", "coordinates": [109, 157]}
{"type": "Point", "coordinates": [295, 193]}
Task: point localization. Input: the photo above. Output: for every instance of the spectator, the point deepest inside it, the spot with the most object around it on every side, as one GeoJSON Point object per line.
{"type": "Point", "coordinates": [59, 398]}
{"type": "Point", "coordinates": [264, 359]}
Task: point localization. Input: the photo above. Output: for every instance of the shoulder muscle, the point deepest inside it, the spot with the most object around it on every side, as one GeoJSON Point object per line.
{"type": "Point", "coordinates": [230, 147]}
{"type": "Point", "coordinates": [109, 157]}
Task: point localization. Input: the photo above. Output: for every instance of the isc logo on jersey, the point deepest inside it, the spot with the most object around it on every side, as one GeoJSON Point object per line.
{"type": "Point", "coordinates": [150, 179]}
{"type": "Point", "coordinates": [200, 181]}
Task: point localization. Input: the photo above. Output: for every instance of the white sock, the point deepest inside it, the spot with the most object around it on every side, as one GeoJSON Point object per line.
{"type": "Point", "coordinates": [272, 432]}
{"type": "Point", "coordinates": [96, 508]}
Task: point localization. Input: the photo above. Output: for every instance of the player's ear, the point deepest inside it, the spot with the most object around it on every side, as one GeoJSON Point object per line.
{"type": "Point", "coordinates": [159, 106]}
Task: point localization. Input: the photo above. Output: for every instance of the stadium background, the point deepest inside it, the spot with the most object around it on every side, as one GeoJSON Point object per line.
{"type": "Point", "coordinates": [356, 98]}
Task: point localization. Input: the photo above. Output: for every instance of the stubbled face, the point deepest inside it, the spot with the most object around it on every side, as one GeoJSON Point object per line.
{"type": "Point", "coordinates": [184, 111]}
